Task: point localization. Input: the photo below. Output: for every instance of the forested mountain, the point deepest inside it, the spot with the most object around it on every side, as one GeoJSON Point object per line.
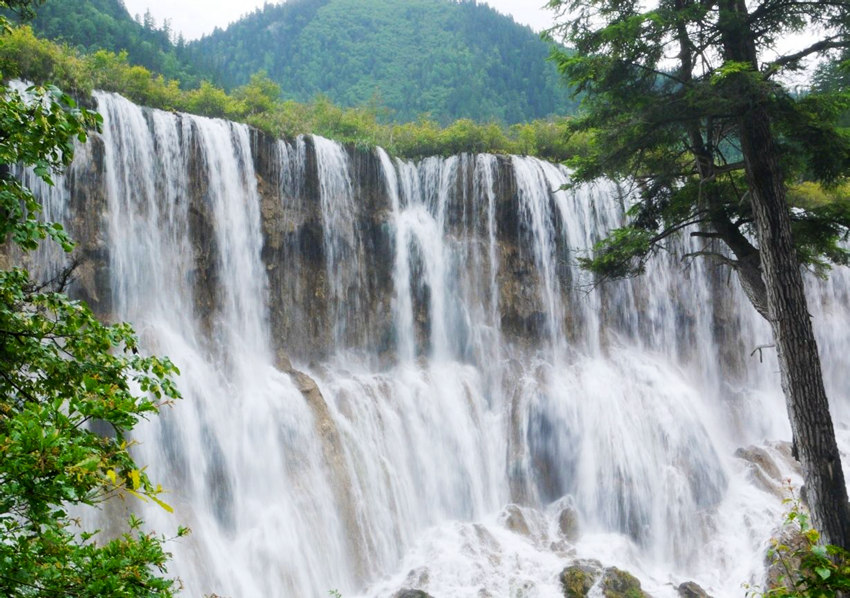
{"type": "Point", "coordinates": [441, 58]}
{"type": "Point", "coordinates": [449, 59]}
{"type": "Point", "coordinates": [91, 25]}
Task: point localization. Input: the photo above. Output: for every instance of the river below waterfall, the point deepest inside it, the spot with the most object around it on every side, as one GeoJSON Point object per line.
{"type": "Point", "coordinates": [396, 376]}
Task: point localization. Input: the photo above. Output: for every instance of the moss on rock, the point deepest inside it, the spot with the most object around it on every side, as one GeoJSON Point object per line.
{"type": "Point", "coordinates": [617, 583]}
{"type": "Point", "coordinates": [578, 578]}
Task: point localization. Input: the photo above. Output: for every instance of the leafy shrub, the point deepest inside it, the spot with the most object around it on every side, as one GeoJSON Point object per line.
{"type": "Point", "coordinates": [60, 369]}
{"type": "Point", "coordinates": [806, 568]}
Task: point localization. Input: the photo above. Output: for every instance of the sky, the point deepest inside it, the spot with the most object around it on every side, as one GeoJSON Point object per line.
{"type": "Point", "coordinates": [194, 18]}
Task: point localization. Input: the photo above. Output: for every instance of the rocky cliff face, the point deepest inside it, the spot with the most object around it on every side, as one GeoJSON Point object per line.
{"type": "Point", "coordinates": [470, 257]}
{"type": "Point", "coordinates": [293, 253]}
{"type": "Point", "coordinates": [307, 318]}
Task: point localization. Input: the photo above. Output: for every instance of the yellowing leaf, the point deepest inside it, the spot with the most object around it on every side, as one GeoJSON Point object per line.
{"type": "Point", "coordinates": [165, 506]}
{"type": "Point", "coordinates": [137, 495]}
{"type": "Point", "coordinates": [135, 478]}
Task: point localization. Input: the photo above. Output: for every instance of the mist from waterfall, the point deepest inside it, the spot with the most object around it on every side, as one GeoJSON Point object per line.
{"type": "Point", "coordinates": [459, 403]}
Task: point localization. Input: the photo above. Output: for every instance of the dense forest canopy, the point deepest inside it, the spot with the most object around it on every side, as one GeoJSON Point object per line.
{"type": "Point", "coordinates": [449, 60]}
{"type": "Point", "coordinates": [91, 25]}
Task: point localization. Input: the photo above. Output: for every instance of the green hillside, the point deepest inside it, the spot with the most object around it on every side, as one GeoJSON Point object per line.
{"type": "Point", "coordinates": [91, 25]}
{"type": "Point", "coordinates": [448, 59]}
{"type": "Point", "coordinates": [443, 59]}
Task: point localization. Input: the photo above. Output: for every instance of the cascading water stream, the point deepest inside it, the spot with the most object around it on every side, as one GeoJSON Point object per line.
{"type": "Point", "coordinates": [534, 195]}
{"type": "Point", "coordinates": [450, 360]}
{"type": "Point", "coordinates": [341, 237]}
{"type": "Point", "coordinates": [199, 296]}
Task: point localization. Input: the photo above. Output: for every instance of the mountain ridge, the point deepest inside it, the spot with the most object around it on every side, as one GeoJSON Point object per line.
{"type": "Point", "coordinates": [441, 60]}
{"type": "Point", "coordinates": [447, 59]}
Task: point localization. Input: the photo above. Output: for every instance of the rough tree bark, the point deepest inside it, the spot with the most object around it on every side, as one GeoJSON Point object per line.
{"type": "Point", "coordinates": [799, 361]}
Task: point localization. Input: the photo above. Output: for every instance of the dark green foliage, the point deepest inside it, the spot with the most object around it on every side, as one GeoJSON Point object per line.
{"type": "Point", "coordinates": [445, 60]}
{"type": "Point", "coordinates": [450, 60]}
{"type": "Point", "coordinates": [257, 103]}
{"type": "Point", "coordinates": [39, 133]}
{"type": "Point", "coordinates": [833, 76]}
{"type": "Point", "coordinates": [61, 369]}
{"type": "Point", "coordinates": [442, 59]}
{"type": "Point", "coordinates": [620, 255]}
{"type": "Point", "coordinates": [671, 126]}
{"type": "Point", "coordinates": [91, 25]}
{"type": "Point", "coordinates": [821, 225]}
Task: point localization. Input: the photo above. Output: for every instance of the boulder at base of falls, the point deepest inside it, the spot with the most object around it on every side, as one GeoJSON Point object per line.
{"type": "Point", "coordinates": [690, 589]}
{"type": "Point", "coordinates": [412, 594]}
{"type": "Point", "coordinates": [514, 519]}
{"type": "Point", "coordinates": [578, 578]}
{"type": "Point", "coordinates": [568, 523]}
{"type": "Point", "coordinates": [621, 584]}
{"type": "Point", "coordinates": [581, 576]}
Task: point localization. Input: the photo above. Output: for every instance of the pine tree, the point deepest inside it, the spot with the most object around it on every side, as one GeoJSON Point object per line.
{"type": "Point", "coordinates": [686, 98]}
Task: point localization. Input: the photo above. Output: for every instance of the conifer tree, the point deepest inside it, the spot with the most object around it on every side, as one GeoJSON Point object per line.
{"type": "Point", "coordinates": [686, 97]}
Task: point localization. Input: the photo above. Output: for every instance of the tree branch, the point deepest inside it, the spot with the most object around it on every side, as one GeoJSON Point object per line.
{"type": "Point", "coordinates": [768, 8]}
{"type": "Point", "coordinates": [727, 168]}
{"type": "Point", "coordinates": [674, 229]}
{"type": "Point", "coordinates": [759, 350]}
{"type": "Point", "coordinates": [830, 43]}
{"type": "Point", "coordinates": [714, 255]}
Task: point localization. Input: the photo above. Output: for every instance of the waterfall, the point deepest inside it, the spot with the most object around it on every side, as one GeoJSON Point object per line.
{"type": "Point", "coordinates": [395, 375]}
{"type": "Point", "coordinates": [199, 295]}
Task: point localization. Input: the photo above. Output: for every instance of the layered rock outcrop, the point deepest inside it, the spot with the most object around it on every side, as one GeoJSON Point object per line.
{"type": "Point", "coordinates": [311, 318]}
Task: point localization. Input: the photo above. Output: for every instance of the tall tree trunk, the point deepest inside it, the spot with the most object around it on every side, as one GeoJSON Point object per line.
{"type": "Point", "coordinates": [799, 361]}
